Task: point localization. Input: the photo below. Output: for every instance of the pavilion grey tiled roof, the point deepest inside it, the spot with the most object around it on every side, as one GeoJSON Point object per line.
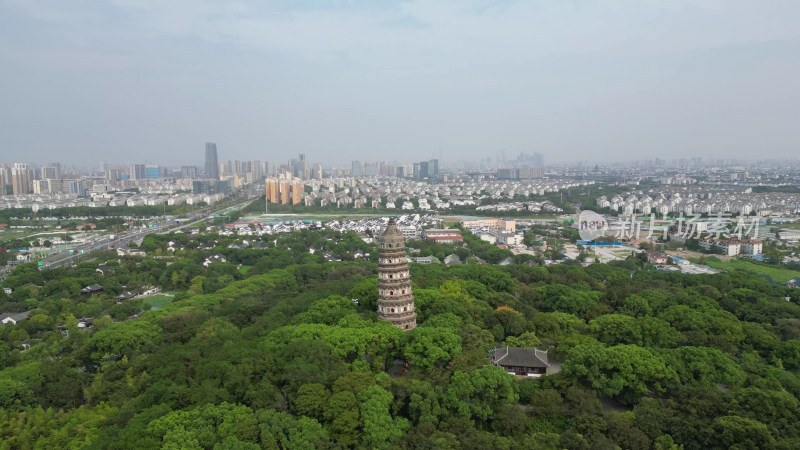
{"type": "Point", "coordinates": [523, 357]}
{"type": "Point", "coordinates": [16, 317]}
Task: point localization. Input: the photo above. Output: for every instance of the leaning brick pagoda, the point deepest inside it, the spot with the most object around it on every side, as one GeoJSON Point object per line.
{"type": "Point", "coordinates": [395, 301]}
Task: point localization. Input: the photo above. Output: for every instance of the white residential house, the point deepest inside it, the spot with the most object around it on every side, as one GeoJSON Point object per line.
{"type": "Point", "coordinates": [752, 247]}
{"type": "Point", "coordinates": [728, 247]}
{"type": "Point", "coordinates": [13, 318]}
{"type": "Point", "coordinates": [214, 258]}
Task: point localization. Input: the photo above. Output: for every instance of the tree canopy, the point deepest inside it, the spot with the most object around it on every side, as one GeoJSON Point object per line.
{"type": "Point", "coordinates": [278, 348]}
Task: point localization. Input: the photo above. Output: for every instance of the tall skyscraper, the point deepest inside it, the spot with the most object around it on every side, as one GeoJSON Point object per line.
{"type": "Point", "coordinates": [357, 169]}
{"type": "Point", "coordinates": [395, 300]}
{"type": "Point", "coordinates": [296, 168]}
{"type": "Point", "coordinates": [212, 167]}
{"type": "Point", "coordinates": [152, 172]}
{"type": "Point", "coordinates": [138, 171]}
{"type": "Point", "coordinates": [304, 166]}
{"type": "Point", "coordinates": [433, 167]}
{"type": "Point", "coordinates": [424, 169]}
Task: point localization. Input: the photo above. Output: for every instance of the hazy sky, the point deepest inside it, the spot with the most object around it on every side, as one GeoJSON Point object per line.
{"type": "Point", "coordinates": [153, 80]}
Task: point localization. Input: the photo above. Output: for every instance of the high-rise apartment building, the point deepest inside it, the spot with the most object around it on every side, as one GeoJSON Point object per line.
{"type": "Point", "coordinates": [112, 175]}
{"type": "Point", "coordinates": [371, 169]}
{"type": "Point", "coordinates": [257, 169]}
{"type": "Point", "coordinates": [316, 172]}
{"type": "Point", "coordinates": [73, 187]}
{"type": "Point", "coordinates": [505, 173]}
{"type": "Point", "coordinates": [188, 172]}
{"type": "Point", "coordinates": [284, 191]}
{"type": "Point", "coordinates": [49, 172]}
{"type": "Point", "coordinates": [41, 187]}
{"type": "Point", "coordinates": [5, 180]}
{"type": "Point", "coordinates": [212, 166]}
{"type": "Point", "coordinates": [271, 169]}
{"type": "Point", "coordinates": [21, 178]}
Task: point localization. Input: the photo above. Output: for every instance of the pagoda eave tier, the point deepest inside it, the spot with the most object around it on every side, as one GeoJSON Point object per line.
{"type": "Point", "coordinates": [398, 317]}
{"type": "Point", "coordinates": [393, 266]}
{"type": "Point", "coordinates": [399, 301]}
{"type": "Point", "coordinates": [393, 281]}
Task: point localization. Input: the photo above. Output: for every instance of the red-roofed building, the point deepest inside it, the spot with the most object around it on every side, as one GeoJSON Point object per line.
{"type": "Point", "coordinates": [444, 236]}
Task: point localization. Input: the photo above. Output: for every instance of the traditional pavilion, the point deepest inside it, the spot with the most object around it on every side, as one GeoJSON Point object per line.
{"type": "Point", "coordinates": [395, 301]}
{"type": "Point", "coordinates": [523, 362]}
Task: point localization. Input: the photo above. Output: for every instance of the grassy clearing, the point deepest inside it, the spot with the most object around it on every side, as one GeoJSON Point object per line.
{"type": "Point", "coordinates": [243, 270]}
{"type": "Point", "coordinates": [779, 274]}
{"type": "Point", "coordinates": [158, 301]}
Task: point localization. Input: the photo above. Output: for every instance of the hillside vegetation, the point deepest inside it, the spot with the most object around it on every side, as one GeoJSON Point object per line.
{"type": "Point", "coordinates": [283, 357]}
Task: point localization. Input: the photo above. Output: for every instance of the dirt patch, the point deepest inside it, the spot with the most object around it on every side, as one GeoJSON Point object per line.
{"type": "Point", "coordinates": [686, 254]}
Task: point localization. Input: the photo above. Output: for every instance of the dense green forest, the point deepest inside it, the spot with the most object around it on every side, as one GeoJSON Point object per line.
{"type": "Point", "coordinates": [276, 348]}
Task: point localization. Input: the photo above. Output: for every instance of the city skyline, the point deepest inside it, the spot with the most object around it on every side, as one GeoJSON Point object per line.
{"type": "Point", "coordinates": [500, 159]}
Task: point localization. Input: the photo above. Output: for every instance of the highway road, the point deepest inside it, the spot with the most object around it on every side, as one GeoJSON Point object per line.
{"type": "Point", "coordinates": [166, 225]}
{"type": "Point", "coordinates": [170, 224]}
{"type": "Point", "coordinates": [66, 257]}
